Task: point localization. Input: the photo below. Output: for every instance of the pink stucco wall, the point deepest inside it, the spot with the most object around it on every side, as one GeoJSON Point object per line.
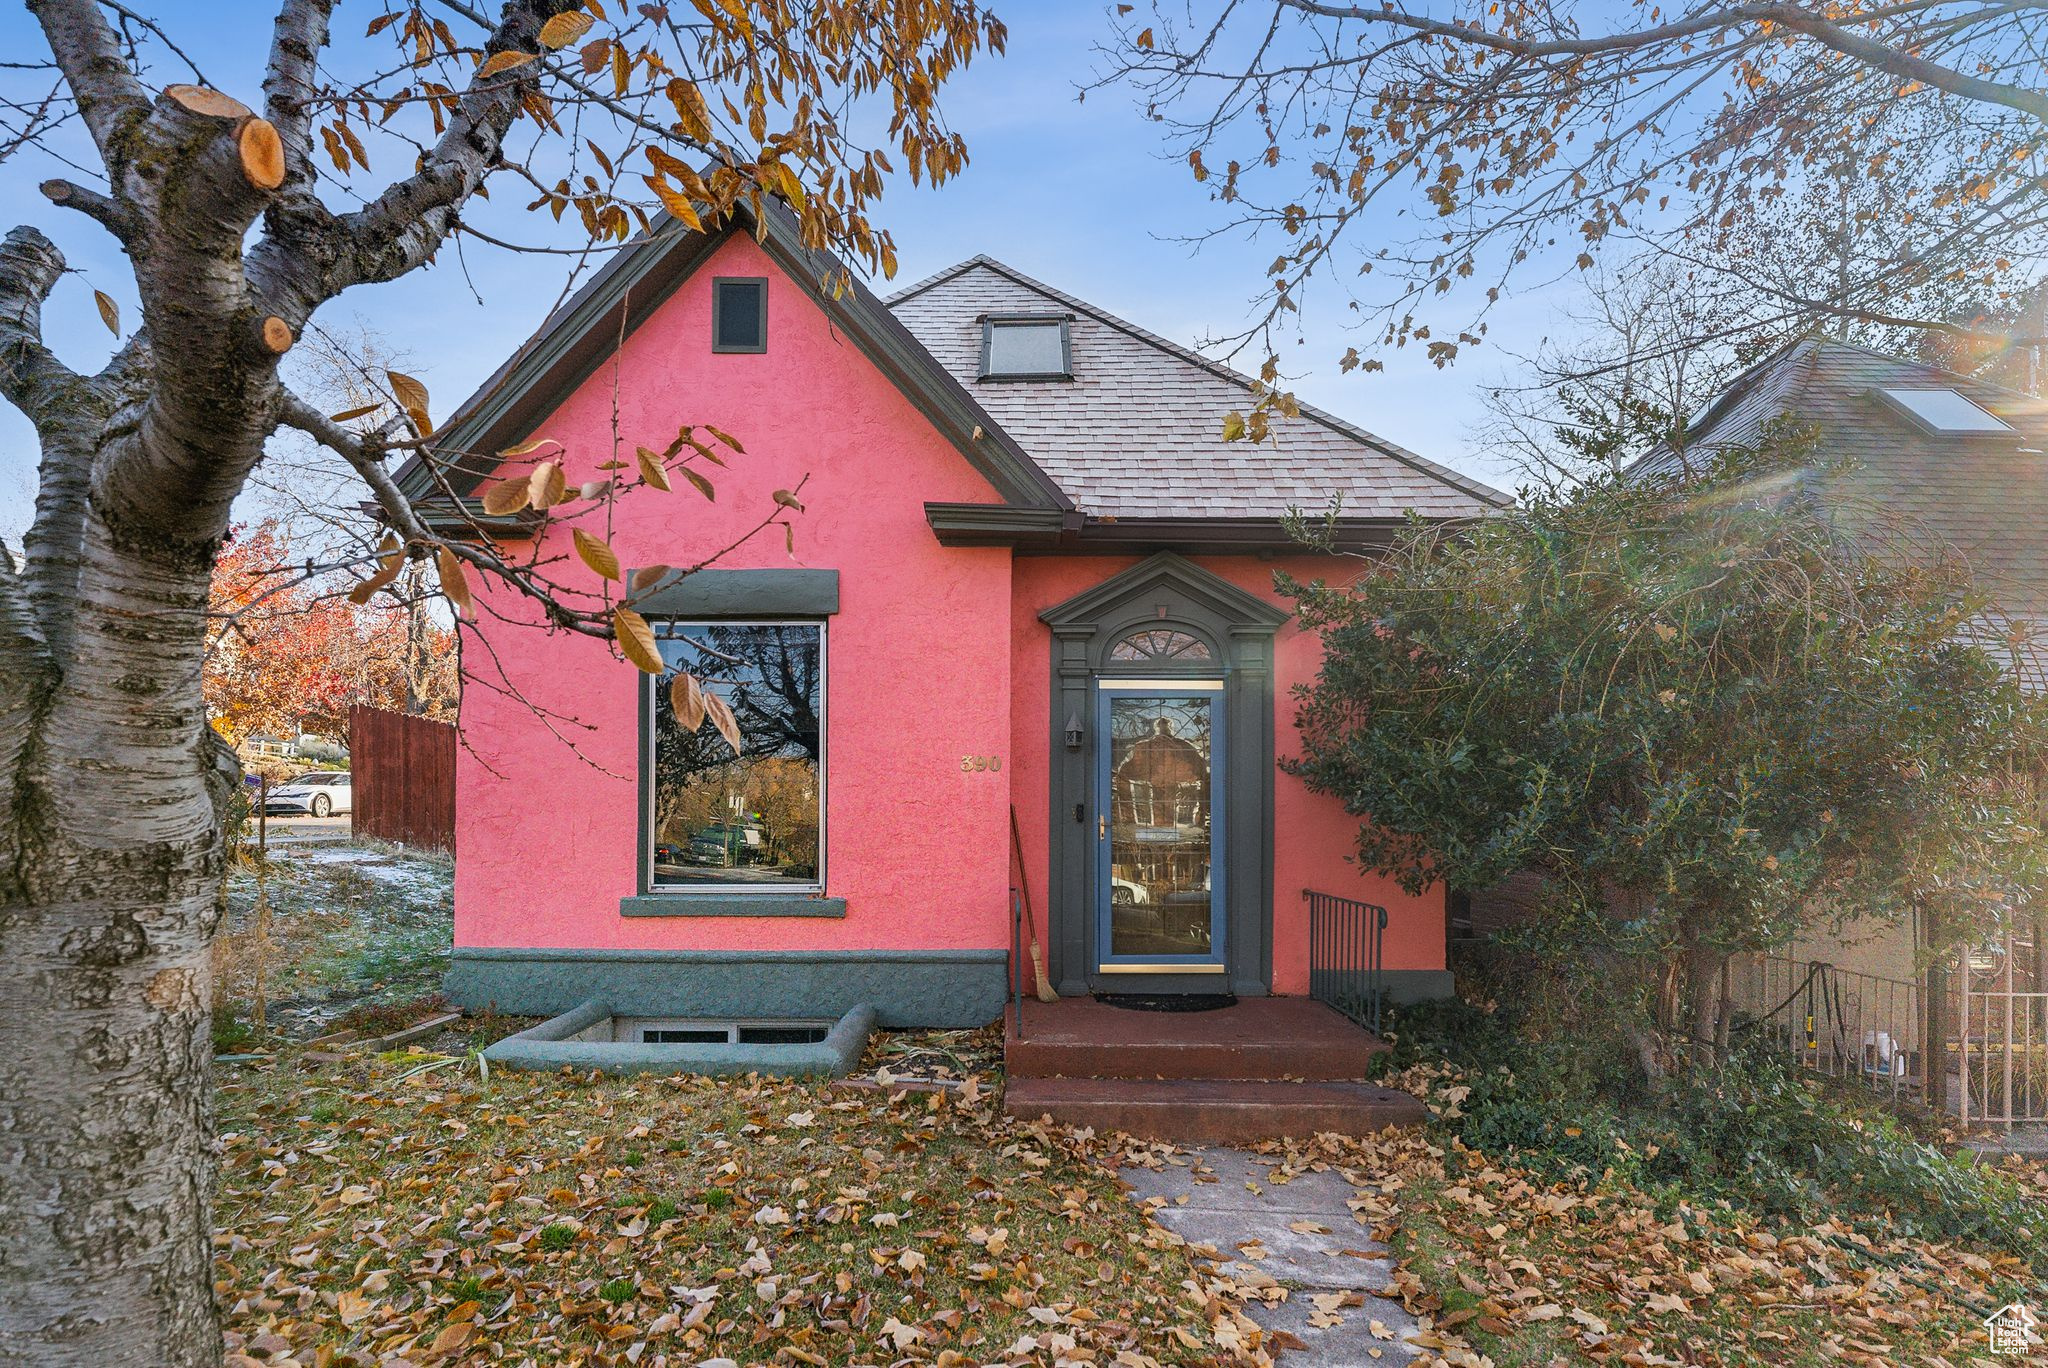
{"type": "Point", "coordinates": [935, 654]}
{"type": "Point", "coordinates": [1311, 833]}
{"type": "Point", "coordinates": [917, 658]}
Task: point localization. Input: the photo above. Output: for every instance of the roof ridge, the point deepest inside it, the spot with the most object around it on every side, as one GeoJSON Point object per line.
{"type": "Point", "coordinates": [1483, 492]}
{"type": "Point", "coordinates": [890, 301]}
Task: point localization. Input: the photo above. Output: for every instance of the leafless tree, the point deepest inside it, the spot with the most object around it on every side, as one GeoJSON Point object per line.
{"type": "Point", "coordinates": [1397, 155]}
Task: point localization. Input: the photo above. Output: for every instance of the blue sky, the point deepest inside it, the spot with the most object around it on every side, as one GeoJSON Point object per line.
{"type": "Point", "coordinates": [1081, 195]}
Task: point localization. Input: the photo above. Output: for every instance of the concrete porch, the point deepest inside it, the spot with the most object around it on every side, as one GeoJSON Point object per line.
{"type": "Point", "coordinates": [1261, 1069]}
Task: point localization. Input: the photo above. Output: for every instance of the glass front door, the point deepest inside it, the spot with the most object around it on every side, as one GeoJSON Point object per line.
{"type": "Point", "coordinates": [1159, 827]}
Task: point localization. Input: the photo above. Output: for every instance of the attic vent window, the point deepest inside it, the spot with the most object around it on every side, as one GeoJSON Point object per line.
{"type": "Point", "coordinates": [1026, 348]}
{"type": "Point", "coordinates": [1945, 412]}
{"type": "Point", "coordinates": [739, 314]}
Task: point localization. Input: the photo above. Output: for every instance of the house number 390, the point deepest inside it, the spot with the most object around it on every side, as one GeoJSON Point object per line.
{"type": "Point", "coordinates": [973, 763]}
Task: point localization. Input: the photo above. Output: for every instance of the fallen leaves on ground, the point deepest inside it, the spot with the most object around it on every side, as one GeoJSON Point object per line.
{"type": "Point", "coordinates": [376, 1214]}
{"type": "Point", "coordinates": [1501, 1269]}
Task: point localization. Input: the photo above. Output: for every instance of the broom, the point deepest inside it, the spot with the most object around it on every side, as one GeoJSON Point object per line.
{"type": "Point", "coordinates": [1045, 992]}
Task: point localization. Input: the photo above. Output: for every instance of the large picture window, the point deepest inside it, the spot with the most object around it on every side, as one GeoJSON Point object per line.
{"type": "Point", "coordinates": [751, 818]}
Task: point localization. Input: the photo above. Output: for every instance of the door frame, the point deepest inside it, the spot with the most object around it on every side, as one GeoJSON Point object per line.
{"type": "Point", "coordinates": [1215, 962]}
{"type": "Point", "coordinates": [1237, 627]}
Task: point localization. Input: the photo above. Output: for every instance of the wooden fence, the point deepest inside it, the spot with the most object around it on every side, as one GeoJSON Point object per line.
{"type": "Point", "coordinates": [404, 777]}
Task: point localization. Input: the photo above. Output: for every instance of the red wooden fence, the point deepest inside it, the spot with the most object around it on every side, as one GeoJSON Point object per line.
{"type": "Point", "coordinates": [404, 777]}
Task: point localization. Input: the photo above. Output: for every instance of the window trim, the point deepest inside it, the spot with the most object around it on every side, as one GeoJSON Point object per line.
{"type": "Point", "coordinates": [989, 324]}
{"type": "Point", "coordinates": [718, 315]}
{"type": "Point", "coordinates": [738, 899]}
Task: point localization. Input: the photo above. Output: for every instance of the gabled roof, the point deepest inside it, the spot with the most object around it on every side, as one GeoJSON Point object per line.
{"type": "Point", "coordinates": [1138, 431]}
{"type": "Point", "coordinates": [1984, 498]}
{"type": "Point", "coordinates": [1127, 457]}
{"type": "Point", "coordinates": [577, 338]}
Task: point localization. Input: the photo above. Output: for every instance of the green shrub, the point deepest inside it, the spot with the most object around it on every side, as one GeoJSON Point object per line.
{"type": "Point", "coordinates": [1755, 1134]}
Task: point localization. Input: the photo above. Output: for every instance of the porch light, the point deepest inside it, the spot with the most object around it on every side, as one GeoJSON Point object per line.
{"type": "Point", "coordinates": [1073, 732]}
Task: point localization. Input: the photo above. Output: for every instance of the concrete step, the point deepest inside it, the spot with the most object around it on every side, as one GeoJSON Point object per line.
{"type": "Point", "coordinates": [1261, 1039]}
{"type": "Point", "coordinates": [1212, 1111]}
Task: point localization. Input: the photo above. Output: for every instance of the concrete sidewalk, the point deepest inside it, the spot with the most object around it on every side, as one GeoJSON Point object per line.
{"type": "Point", "coordinates": [1264, 1226]}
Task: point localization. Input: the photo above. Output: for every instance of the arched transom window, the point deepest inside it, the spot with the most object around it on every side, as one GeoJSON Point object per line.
{"type": "Point", "coordinates": [1159, 643]}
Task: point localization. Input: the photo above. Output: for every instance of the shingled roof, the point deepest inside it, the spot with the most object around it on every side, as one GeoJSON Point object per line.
{"type": "Point", "coordinates": [1128, 455]}
{"type": "Point", "coordinates": [1138, 431]}
{"type": "Point", "coordinates": [1983, 497]}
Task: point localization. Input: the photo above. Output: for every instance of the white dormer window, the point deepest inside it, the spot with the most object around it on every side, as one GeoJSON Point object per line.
{"type": "Point", "coordinates": [1945, 412]}
{"type": "Point", "coordinates": [1026, 347]}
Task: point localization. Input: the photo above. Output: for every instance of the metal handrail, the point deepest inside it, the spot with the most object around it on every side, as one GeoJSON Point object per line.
{"type": "Point", "coordinates": [1347, 945]}
{"type": "Point", "coordinates": [1016, 963]}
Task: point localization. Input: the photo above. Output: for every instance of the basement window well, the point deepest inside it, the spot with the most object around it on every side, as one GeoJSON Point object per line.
{"type": "Point", "coordinates": [593, 1036]}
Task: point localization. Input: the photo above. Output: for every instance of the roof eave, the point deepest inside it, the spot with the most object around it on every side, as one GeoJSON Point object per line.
{"type": "Point", "coordinates": [571, 345]}
{"type": "Point", "coordinates": [1048, 532]}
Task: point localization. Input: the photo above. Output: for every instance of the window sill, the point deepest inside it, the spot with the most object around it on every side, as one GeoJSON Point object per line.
{"type": "Point", "coordinates": [731, 905]}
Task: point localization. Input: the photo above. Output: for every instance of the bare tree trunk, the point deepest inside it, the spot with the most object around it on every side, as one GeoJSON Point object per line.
{"type": "Point", "coordinates": [106, 1167]}
{"type": "Point", "coordinates": [1703, 996]}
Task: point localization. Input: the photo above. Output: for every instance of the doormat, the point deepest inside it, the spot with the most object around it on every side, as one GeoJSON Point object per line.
{"type": "Point", "coordinates": [1167, 1002]}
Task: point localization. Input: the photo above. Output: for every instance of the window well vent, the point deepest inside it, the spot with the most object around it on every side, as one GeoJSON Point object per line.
{"type": "Point", "coordinates": [739, 314]}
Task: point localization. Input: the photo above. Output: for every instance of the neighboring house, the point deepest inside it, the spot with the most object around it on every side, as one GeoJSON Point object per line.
{"type": "Point", "coordinates": [1956, 464]}
{"type": "Point", "coordinates": [1030, 576]}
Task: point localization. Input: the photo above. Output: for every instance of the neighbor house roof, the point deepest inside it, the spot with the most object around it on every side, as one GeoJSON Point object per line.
{"type": "Point", "coordinates": [1128, 455]}
{"type": "Point", "coordinates": [1985, 496]}
{"type": "Point", "coordinates": [1138, 431]}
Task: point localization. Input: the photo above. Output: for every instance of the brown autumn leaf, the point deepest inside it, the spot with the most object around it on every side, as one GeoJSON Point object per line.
{"type": "Point", "coordinates": [390, 560]}
{"type": "Point", "coordinates": [564, 29]}
{"type": "Point", "coordinates": [686, 697]}
{"type": "Point", "coordinates": [454, 583]}
{"type": "Point", "coordinates": [530, 445]}
{"type": "Point", "coordinates": [676, 202]}
{"type": "Point", "coordinates": [647, 576]}
{"type": "Point", "coordinates": [410, 393]}
{"type": "Point", "coordinates": [596, 553]}
{"type": "Point", "coordinates": [350, 413]}
{"type": "Point", "coordinates": [504, 61]}
{"type": "Point", "coordinates": [703, 485]}
{"type": "Point", "coordinates": [789, 500]}
{"type": "Point", "coordinates": [545, 486]}
{"type": "Point", "coordinates": [726, 437]}
{"type": "Point", "coordinates": [650, 468]}
{"type": "Point", "coordinates": [720, 713]}
{"type": "Point", "coordinates": [110, 312]}
{"type": "Point", "coordinates": [506, 497]}
{"type": "Point", "coordinates": [636, 640]}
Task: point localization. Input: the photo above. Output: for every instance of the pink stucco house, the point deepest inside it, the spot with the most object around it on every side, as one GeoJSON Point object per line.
{"type": "Point", "coordinates": [1030, 578]}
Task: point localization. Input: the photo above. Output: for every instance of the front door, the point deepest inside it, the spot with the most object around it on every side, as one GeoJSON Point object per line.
{"type": "Point", "coordinates": [1159, 877]}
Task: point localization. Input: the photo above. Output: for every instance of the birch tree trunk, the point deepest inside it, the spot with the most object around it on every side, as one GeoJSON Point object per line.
{"type": "Point", "coordinates": [111, 780]}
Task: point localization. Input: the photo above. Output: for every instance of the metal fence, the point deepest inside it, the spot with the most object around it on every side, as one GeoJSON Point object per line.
{"type": "Point", "coordinates": [1346, 940]}
{"type": "Point", "coordinates": [1859, 1027]}
{"type": "Point", "coordinates": [2002, 1047]}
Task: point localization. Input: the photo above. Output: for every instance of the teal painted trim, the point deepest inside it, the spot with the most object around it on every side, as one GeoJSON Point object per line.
{"type": "Point", "coordinates": [950, 989]}
{"type": "Point", "coordinates": [560, 1043]}
{"type": "Point", "coordinates": [689, 904]}
{"type": "Point", "coordinates": [1407, 986]}
{"type": "Point", "coordinates": [742, 593]}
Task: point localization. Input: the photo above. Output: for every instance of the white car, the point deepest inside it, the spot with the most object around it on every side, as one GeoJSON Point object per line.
{"type": "Point", "coordinates": [318, 794]}
{"type": "Point", "coordinates": [1124, 893]}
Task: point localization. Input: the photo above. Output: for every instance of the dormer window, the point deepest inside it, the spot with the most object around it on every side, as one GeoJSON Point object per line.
{"type": "Point", "coordinates": [1945, 413]}
{"type": "Point", "coordinates": [1026, 347]}
{"type": "Point", "coordinates": [739, 314]}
